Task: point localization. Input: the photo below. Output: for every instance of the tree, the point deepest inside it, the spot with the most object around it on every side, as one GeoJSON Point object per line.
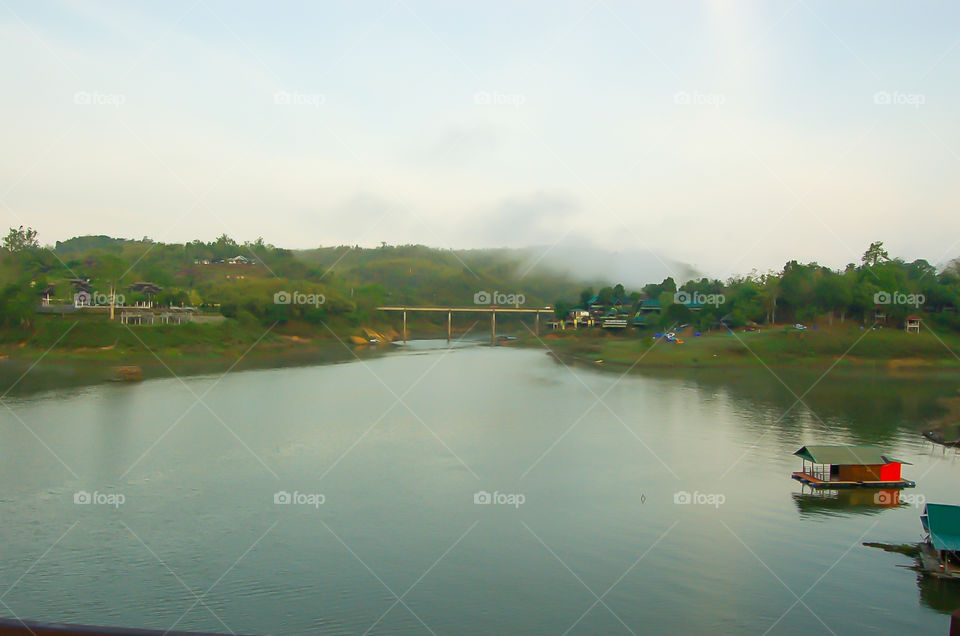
{"type": "Point", "coordinates": [674, 314]}
{"type": "Point", "coordinates": [744, 300]}
{"type": "Point", "coordinates": [18, 240]}
{"type": "Point", "coordinates": [796, 287]}
{"type": "Point", "coordinates": [770, 293]}
{"type": "Point", "coordinates": [585, 297]}
{"type": "Point", "coordinates": [17, 305]}
{"type": "Point", "coordinates": [605, 296]}
{"type": "Point", "coordinates": [834, 293]}
{"type": "Point", "coordinates": [874, 254]}
{"type": "Point", "coordinates": [224, 246]}
{"type": "Point", "coordinates": [653, 290]}
{"type": "Point", "coordinates": [110, 268]}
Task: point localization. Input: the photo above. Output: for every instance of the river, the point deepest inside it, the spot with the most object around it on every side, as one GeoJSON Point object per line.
{"type": "Point", "coordinates": [348, 498]}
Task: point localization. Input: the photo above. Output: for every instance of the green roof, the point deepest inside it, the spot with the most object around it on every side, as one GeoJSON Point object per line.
{"type": "Point", "coordinates": [942, 521]}
{"type": "Point", "coordinates": [846, 455]}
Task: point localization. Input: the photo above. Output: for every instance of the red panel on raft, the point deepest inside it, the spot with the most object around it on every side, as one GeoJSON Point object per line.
{"type": "Point", "coordinates": [890, 472]}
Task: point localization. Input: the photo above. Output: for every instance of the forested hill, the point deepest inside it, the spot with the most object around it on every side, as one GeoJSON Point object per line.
{"type": "Point", "coordinates": [352, 280]}
{"type": "Point", "coordinates": [240, 280]}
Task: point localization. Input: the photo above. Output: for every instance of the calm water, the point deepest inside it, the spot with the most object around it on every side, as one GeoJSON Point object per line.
{"type": "Point", "coordinates": [399, 445]}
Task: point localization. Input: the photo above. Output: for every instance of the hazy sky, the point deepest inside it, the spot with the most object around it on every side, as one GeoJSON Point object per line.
{"type": "Point", "coordinates": [729, 135]}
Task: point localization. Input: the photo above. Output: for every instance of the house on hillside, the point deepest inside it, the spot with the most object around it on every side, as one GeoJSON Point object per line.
{"type": "Point", "coordinates": [912, 324]}
{"type": "Point", "coordinates": [650, 305]}
{"type": "Point", "coordinates": [81, 284]}
{"type": "Point", "coordinates": [46, 294]}
{"type": "Point", "coordinates": [579, 318]}
{"type": "Point", "coordinates": [147, 289]}
{"type": "Point", "coordinates": [240, 260]}
{"type": "Point", "coordinates": [643, 317]}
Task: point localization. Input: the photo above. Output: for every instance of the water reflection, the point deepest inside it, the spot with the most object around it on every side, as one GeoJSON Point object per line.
{"type": "Point", "coordinates": [940, 595]}
{"type": "Point", "coordinates": [838, 503]}
{"type": "Point", "coordinates": [872, 403]}
{"type": "Point", "coordinates": [400, 488]}
{"type": "Point", "coordinates": [22, 377]}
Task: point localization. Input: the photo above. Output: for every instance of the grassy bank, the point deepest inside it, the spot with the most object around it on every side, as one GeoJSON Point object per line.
{"type": "Point", "coordinates": [98, 342]}
{"type": "Point", "coordinates": [94, 339]}
{"type": "Point", "coordinates": [775, 346]}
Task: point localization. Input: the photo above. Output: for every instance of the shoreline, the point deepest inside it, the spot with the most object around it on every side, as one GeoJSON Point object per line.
{"type": "Point", "coordinates": [776, 347]}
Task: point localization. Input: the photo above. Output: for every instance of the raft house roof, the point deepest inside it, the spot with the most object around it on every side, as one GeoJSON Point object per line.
{"type": "Point", "coordinates": [146, 287]}
{"type": "Point", "coordinates": [846, 455]}
{"type": "Point", "coordinates": [942, 521]}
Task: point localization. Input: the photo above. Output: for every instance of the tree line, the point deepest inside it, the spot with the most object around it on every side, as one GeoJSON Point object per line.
{"type": "Point", "coordinates": [877, 288]}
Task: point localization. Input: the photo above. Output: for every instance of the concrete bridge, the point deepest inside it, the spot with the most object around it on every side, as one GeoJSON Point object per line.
{"type": "Point", "coordinates": [493, 310]}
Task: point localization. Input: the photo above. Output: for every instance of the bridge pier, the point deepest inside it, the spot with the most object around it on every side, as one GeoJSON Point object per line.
{"type": "Point", "coordinates": [492, 310]}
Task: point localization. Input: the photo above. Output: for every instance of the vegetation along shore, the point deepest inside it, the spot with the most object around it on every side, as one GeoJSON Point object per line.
{"type": "Point", "coordinates": [97, 299]}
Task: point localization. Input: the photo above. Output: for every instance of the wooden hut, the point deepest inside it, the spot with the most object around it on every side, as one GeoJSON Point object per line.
{"type": "Point", "coordinates": [849, 467]}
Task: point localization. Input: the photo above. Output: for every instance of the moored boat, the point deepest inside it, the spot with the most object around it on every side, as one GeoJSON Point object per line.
{"type": "Point", "coordinates": [849, 467]}
{"type": "Point", "coordinates": [940, 548]}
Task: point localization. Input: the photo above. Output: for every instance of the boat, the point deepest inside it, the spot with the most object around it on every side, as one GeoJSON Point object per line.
{"type": "Point", "coordinates": [941, 543]}
{"type": "Point", "coordinates": [849, 467]}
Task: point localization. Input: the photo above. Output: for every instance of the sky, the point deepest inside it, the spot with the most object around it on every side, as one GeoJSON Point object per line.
{"type": "Point", "coordinates": [730, 136]}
